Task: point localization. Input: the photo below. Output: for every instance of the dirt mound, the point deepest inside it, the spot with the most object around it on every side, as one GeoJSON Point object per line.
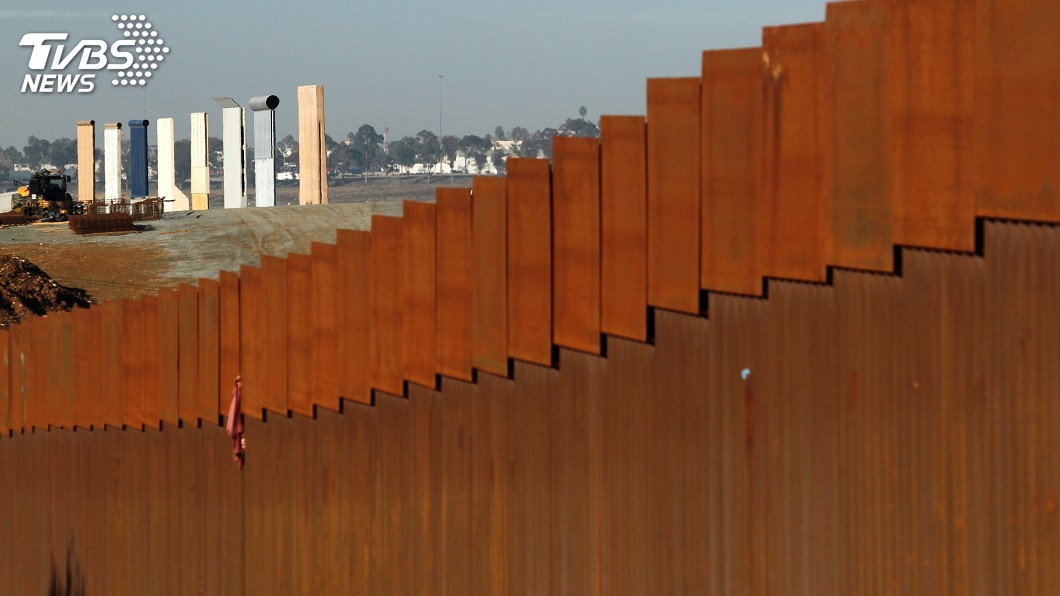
{"type": "Point", "coordinates": [27, 291]}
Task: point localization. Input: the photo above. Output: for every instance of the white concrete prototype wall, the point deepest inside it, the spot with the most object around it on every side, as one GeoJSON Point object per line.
{"type": "Point", "coordinates": [86, 160]}
{"type": "Point", "coordinates": [312, 157]}
{"type": "Point", "coordinates": [174, 198]}
{"type": "Point", "coordinates": [112, 160]}
{"type": "Point", "coordinates": [200, 161]}
{"type": "Point", "coordinates": [233, 125]}
{"type": "Point", "coordinates": [264, 149]}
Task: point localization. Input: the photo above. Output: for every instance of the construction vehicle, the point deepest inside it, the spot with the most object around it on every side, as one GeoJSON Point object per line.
{"type": "Point", "coordinates": [44, 199]}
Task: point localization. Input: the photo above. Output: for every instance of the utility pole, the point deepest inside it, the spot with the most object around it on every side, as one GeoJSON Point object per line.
{"type": "Point", "coordinates": [440, 77]}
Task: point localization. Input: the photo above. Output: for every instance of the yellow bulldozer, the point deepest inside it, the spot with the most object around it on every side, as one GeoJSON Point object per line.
{"type": "Point", "coordinates": [45, 198]}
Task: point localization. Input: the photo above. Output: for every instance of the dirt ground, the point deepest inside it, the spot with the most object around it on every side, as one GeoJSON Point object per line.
{"type": "Point", "coordinates": [185, 246]}
{"type": "Point", "coordinates": [27, 291]}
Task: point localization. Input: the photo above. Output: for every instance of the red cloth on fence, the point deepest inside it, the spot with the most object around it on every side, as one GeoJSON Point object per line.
{"type": "Point", "coordinates": [234, 425]}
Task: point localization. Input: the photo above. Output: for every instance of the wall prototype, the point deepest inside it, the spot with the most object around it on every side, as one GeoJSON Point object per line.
{"type": "Point", "coordinates": [200, 161]}
{"type": "Point", "coordinates": [175, 199]}
{"type": "Point", "coordinates": [86, 160]}
{"type": "Point", "coordinates": [234, 147]}
{"type": "Point", "coordinates": [312, 155]}
{"type": "Point", "coordinates": [112, 138]}
{"type": "Point", "coordinates": [138, 158]}
{"type": "Point", "coordinates": [264, 149]}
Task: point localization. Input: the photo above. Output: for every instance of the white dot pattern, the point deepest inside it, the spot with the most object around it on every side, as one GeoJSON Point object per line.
{"type": "Point", "coordinates": [148, 45]}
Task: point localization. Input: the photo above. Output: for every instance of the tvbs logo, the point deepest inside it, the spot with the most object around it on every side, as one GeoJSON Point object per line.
{"type": "Point", "coordinates": [133, 58]}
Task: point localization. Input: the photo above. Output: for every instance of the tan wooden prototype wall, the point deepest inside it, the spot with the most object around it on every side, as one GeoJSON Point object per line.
{"type": "Point", "coordinates": [312, 155]}
{"type": "Point", "coordinates": [879, 434]}
{"type": "Point", "coordinates": [86, 160]}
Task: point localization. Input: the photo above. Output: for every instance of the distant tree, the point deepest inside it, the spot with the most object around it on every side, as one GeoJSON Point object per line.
{"type": "Point", "coordinates": [214, 153]}
{"type": "Point", "coordinates": [9, 157]}
{"type": "Point", "coordinates": [582, 112]}
{"type": "Point", "coordinates": [498, 158]}
{"type": "Point", "coordinates": [62, 152]}
{"type": "Point", "coordinates": [475, 147]}
{"type": "Point", "coordinates": [498, 134]}
{"type": "Point", "coordinates": [520, 134]}
{"type": "Point", "coordinates": [36, 151]}
{"type": "Point", "coordinates": [403, 151]}
{"type": "Point", "coordinates": [368, 145]}
{"type": "Point", "coordinates": [579, 127]}
{"type": "Point", "coordinates": [450, 145]}
{"type": "Point", "coordinates": [540, 143]}
{"type": "Point", "coordinates": [342, 157]}
{"type": "Point", "coordinates": [182, 160]}
{"type": "Point", "coordinates": [288, 148]}
{"type": "Point", "coordinates": [428, 148]}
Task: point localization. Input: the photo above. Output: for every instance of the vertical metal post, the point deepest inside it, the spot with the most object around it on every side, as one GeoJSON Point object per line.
{"type": "Point", "coordinates": [112, 160]}
{"type": "Point", "coordinates": [233, 135]}
{"type": "Point", "coordinates": [264, 149]}
{"type": "Point", "coordinates": [138, 158]}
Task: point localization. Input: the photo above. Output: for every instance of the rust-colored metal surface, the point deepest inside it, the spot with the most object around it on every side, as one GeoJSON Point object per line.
{"type": "Point", "coordinates": [420, 311]}
{"type": "Point", "coordinates": [354, 342]}
{"type": "Point", "coordinates": [150, 404]}
{"type": "Point", "coordinates": [101, 223]}
{"type": "Point", "coordinates": [796, 150]}
{"type": "Point", "coordinates": [860, 216]}
{"type": "Point", "coordinates": [34, 347]}
{"type": "Point", "coordinates": [1017, 129]}
{"type": "Point", "coordinates": [209, 350]}
{"type": "Point", "coordinates": [489, 276]}
{"type": "Point", "coordinates": [60, 379]}
{"type": "Point", "coordinates": [877, 434]}
{"type": "Point", "coordinates": [187, 354]}
{"type": "Point", "coordinates": [5, 383]}
{"type": "Point", "coordinates": [80, 361]}
{"type": "Point", "coordinates": [530, 250]}
{"type": "Point", "coordinates": [673, 193]}
{"type": "Point", "coordinates": [112, 386]}
{"type": "Point", "coordinates": [387, 362]}
{"type": "Point", "coordinates": [142, 361]}
{"type": "Point", "coordinates": [734, 220]}
{"type": "Point", "coordinates": [326, 301]}
{"type": "Point", "coordinates": [252, 340]}
{"type": "Point", "coordinates": [453, 283]}
{"type": "Point", "coordinates": [299, 348]}
{"type": "Point", "coordinates": [274, 290]}
{"type": "Point", "coordinates": [228, 354]}
{"type": "Point", "coordinates": [95, 403]}
{"type": "Point", "coordinates": [932, 84]}
{"type": "Point", "coordinates": [576, 236]}
{"type": "Point", "coordinates": [882, 435]}
{"type": "Point", "coordinates": [131, 352]}
{"type": "Point", "coordinates": [16, 405]}
{"type": "Point", "coordinates": [169, 355]}
{"type": "Point", "coordinates": [623, 227]}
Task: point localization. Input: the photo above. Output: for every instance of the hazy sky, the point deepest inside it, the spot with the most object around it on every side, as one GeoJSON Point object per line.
{"type": "Point", "coordinates": [530, 63]}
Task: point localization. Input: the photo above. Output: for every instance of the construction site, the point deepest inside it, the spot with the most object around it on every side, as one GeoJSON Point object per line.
{"type": "Point", "coordinates": [794, 330]}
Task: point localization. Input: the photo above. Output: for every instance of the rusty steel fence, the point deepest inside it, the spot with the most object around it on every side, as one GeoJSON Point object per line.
{"type": "Point", "coordinates": [696, 355]}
